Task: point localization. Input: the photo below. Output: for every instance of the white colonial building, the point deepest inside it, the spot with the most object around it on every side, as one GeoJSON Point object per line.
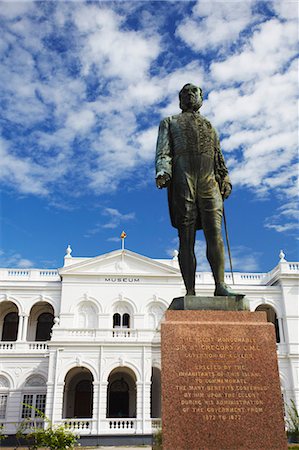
{"type": "Point", "coordinates": [82, 343]}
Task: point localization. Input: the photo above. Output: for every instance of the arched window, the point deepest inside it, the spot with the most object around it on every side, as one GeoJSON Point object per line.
{"type": "Point", "coordinates": [44, 326]}
{"type": "Point", "coordinates": [34, 397]}
{"type": "Point", "coordinates": [126, 321]}
{"type": "Point", "coordinates": [10, 327]}
{"type": "Point", "coordinates": [271, 317]}
{"type": "Point", "coordinates": [4, 391]}
{"type": "Point", "coordinates": [121, 321]}
{"type": "Point", "coordinates": [116, 320]}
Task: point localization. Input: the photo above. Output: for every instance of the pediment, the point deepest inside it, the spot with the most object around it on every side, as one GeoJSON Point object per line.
{"type": "Point", "coordinates": [122, 262]}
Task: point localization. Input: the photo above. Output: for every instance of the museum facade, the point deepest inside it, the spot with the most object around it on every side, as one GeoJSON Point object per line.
{"type": "Point", "coordinates": [82, 343]}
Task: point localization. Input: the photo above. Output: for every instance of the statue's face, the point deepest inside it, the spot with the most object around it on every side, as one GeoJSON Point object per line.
{"type": "Point", "coordinates": [190, 98]}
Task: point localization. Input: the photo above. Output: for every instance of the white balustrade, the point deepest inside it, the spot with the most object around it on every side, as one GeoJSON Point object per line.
{"type": "Point", "coordinates": [48, 273]}
{"type": "Point", "coordinates": [124, 333]}
{"type": "Point", "coordinates": [24, 347]}
{"type": "Point", "coordinates": [82, 333]}
{"type": "Point", "coordinates": [29, 275]}
{"type": "Point", "coordinates": [81, 426]}
{"type": "Point", "coordinates": [38, 346]}
{"type": "Point", "coordinates": [18, 273]}
{"type": "Point", "coordinates": [119, 426]}
{"type": "Point", "coordinates": [7, 346]}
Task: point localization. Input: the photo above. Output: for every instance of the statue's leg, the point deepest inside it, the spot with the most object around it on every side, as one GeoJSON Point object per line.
{"type": "Point", "coordinates": [187, 260]}
{"type": "Point", "coordinates": [215, 255]}
{"type": "Point", "coordinates": [215, 251]}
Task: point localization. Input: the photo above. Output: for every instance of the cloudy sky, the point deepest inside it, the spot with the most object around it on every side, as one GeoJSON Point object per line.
{"type": "Point", "coordinates": [84, 86]}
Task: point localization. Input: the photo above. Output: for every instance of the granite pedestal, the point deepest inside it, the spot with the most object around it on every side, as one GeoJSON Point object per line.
{"type": "Point", "coordinates": [220, 382]}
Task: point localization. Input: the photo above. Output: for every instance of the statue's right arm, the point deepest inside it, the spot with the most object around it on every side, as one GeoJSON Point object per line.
{"type": "Point", "coordinates": [164, 152]}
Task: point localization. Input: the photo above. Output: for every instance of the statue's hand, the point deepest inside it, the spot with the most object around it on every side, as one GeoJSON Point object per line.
{"type": "Point", "coordinates": [162, 181]}
{"type": "Point", "coordinates": [226, 189]}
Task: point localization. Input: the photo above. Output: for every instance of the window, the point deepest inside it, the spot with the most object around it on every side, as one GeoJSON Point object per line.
{"type": "Point", "coordinates": [27, 403]}
{"type": "Point", "coordinates": [116, 320]}
{"type": "Point", "coordinates": [40, 404]}
{"type": "Point", "coordinates": [121, 321]}
{"type": "Point", "coordinates": [10, 327]}
{"type": "Point", "coordinates": [126, 321]}
{"type": "Point", "coordinates": [33, 404]}
{"type": "Point", "coordinates": [3, 403]}
{"type": "Point", "coordinates": [44, 326]}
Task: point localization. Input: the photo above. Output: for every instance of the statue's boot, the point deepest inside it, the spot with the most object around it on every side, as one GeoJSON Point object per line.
{"type": "Point", "coordinates": [223, 290]}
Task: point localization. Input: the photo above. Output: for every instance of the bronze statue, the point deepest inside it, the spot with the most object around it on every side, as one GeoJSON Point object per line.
{"type": "Point", "coordinates": [190, 164]}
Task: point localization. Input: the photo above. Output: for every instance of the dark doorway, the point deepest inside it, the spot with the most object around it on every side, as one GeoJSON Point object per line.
{"type": "Point", "coordinates": [271, 317]}
{"type": "Point", "coordinates": [44, 326]}
{"type": "Point", "coordinates": [10, 327]}
{"type": "Point", "coordinates": [119, 399]}
{"type": "Point", "coordinates": [83, 399]}
{"type": "Point", "coordinates": [78, 394]}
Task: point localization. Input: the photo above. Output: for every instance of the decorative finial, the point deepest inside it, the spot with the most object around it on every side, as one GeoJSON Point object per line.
{"type": "Point", "coordinates": [175, 255]}
{"type": "Point", "coordinates": [123, 237]}
{"type": "Point", "coordinates": [68, 252]}
{"type": "Point", "coordinates": [282, 256]}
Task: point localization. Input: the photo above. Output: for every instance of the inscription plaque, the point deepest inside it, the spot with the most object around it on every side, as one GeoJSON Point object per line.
{"type": "Point", "coordinates": [220, 383]}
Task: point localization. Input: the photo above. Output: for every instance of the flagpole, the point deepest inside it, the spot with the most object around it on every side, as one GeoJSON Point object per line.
{"type": "Point", "coordinates": [123, 237]}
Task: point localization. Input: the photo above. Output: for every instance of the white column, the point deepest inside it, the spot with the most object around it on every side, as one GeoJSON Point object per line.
{"type": "Point", "coordinates": [55, 387]}
{"type": "Point", "coordinates": [139, 409]}
{"type": "Point", "coordinates": [20, 328]}
{"type": "Point", "coordinates": [147, 423]}
{"type": "Point", "coordinates": [103, 406]}
{"type": "Point", "coordinates": [95, 412]}
{"type": "Point", "coordinates": [25, 327]}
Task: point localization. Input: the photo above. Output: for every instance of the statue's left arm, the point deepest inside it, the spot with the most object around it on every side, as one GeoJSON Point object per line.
{"type": "Point", "coordinates": [221, 171]}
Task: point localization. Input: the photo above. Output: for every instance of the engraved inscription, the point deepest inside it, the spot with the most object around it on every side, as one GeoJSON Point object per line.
{"type": "Point", "coordinates": [224, 388]}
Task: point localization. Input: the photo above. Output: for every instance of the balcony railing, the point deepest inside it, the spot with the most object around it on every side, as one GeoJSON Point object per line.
{"type": "Point", "coordinates": [24, 347]}
{"type": "Point", "coordinates": [103, 335]}
{"type": "Point", "coordinates": [80, 426]}
{"type": "Point", "coordinates": [29, 275]}
{"type": "Point", "coordinates": [119, 426]}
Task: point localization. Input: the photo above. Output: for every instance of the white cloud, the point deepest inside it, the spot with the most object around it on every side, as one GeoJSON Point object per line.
{"type": "Point", "coordinates": [81, 121]}
{"type": "Point", "coordinates": [114, 219]}
{"type": "Point", "coordinates": [13, 10]}
{"type": "Point", "coordinates": [25, 173]}
{"type": "Point", "coordinates": [82, 91]}
{"type": "Point", "coordinates": [14, 260]}
{"type": "Point", "coordinates": [286, 218]}
{"type": "Point", "coordinates": [215, 24]}
{"type": "Point", "coordinates": [119, 53]}
{"type": "Point", "coordinates": [270, 47]}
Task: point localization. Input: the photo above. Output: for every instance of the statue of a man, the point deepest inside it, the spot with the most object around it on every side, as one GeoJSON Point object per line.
{"type": "Point", "coordinates": [190, 164]}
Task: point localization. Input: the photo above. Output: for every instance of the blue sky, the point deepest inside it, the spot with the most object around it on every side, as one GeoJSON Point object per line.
{"type": "Point", "coordinates": [83, 88]}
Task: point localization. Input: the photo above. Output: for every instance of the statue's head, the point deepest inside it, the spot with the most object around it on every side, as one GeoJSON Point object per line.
{"type": "Point", "coordinates": [190, 97]}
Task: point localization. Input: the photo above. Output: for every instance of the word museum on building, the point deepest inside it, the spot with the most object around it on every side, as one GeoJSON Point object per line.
{"type": "Point", "coordinates": [82, 343]}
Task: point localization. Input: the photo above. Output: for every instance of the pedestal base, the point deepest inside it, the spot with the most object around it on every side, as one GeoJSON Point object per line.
{"type": "Point", "coordinates": [216, 303]}
{"type": "Point", "coordinates": [220, 382]}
